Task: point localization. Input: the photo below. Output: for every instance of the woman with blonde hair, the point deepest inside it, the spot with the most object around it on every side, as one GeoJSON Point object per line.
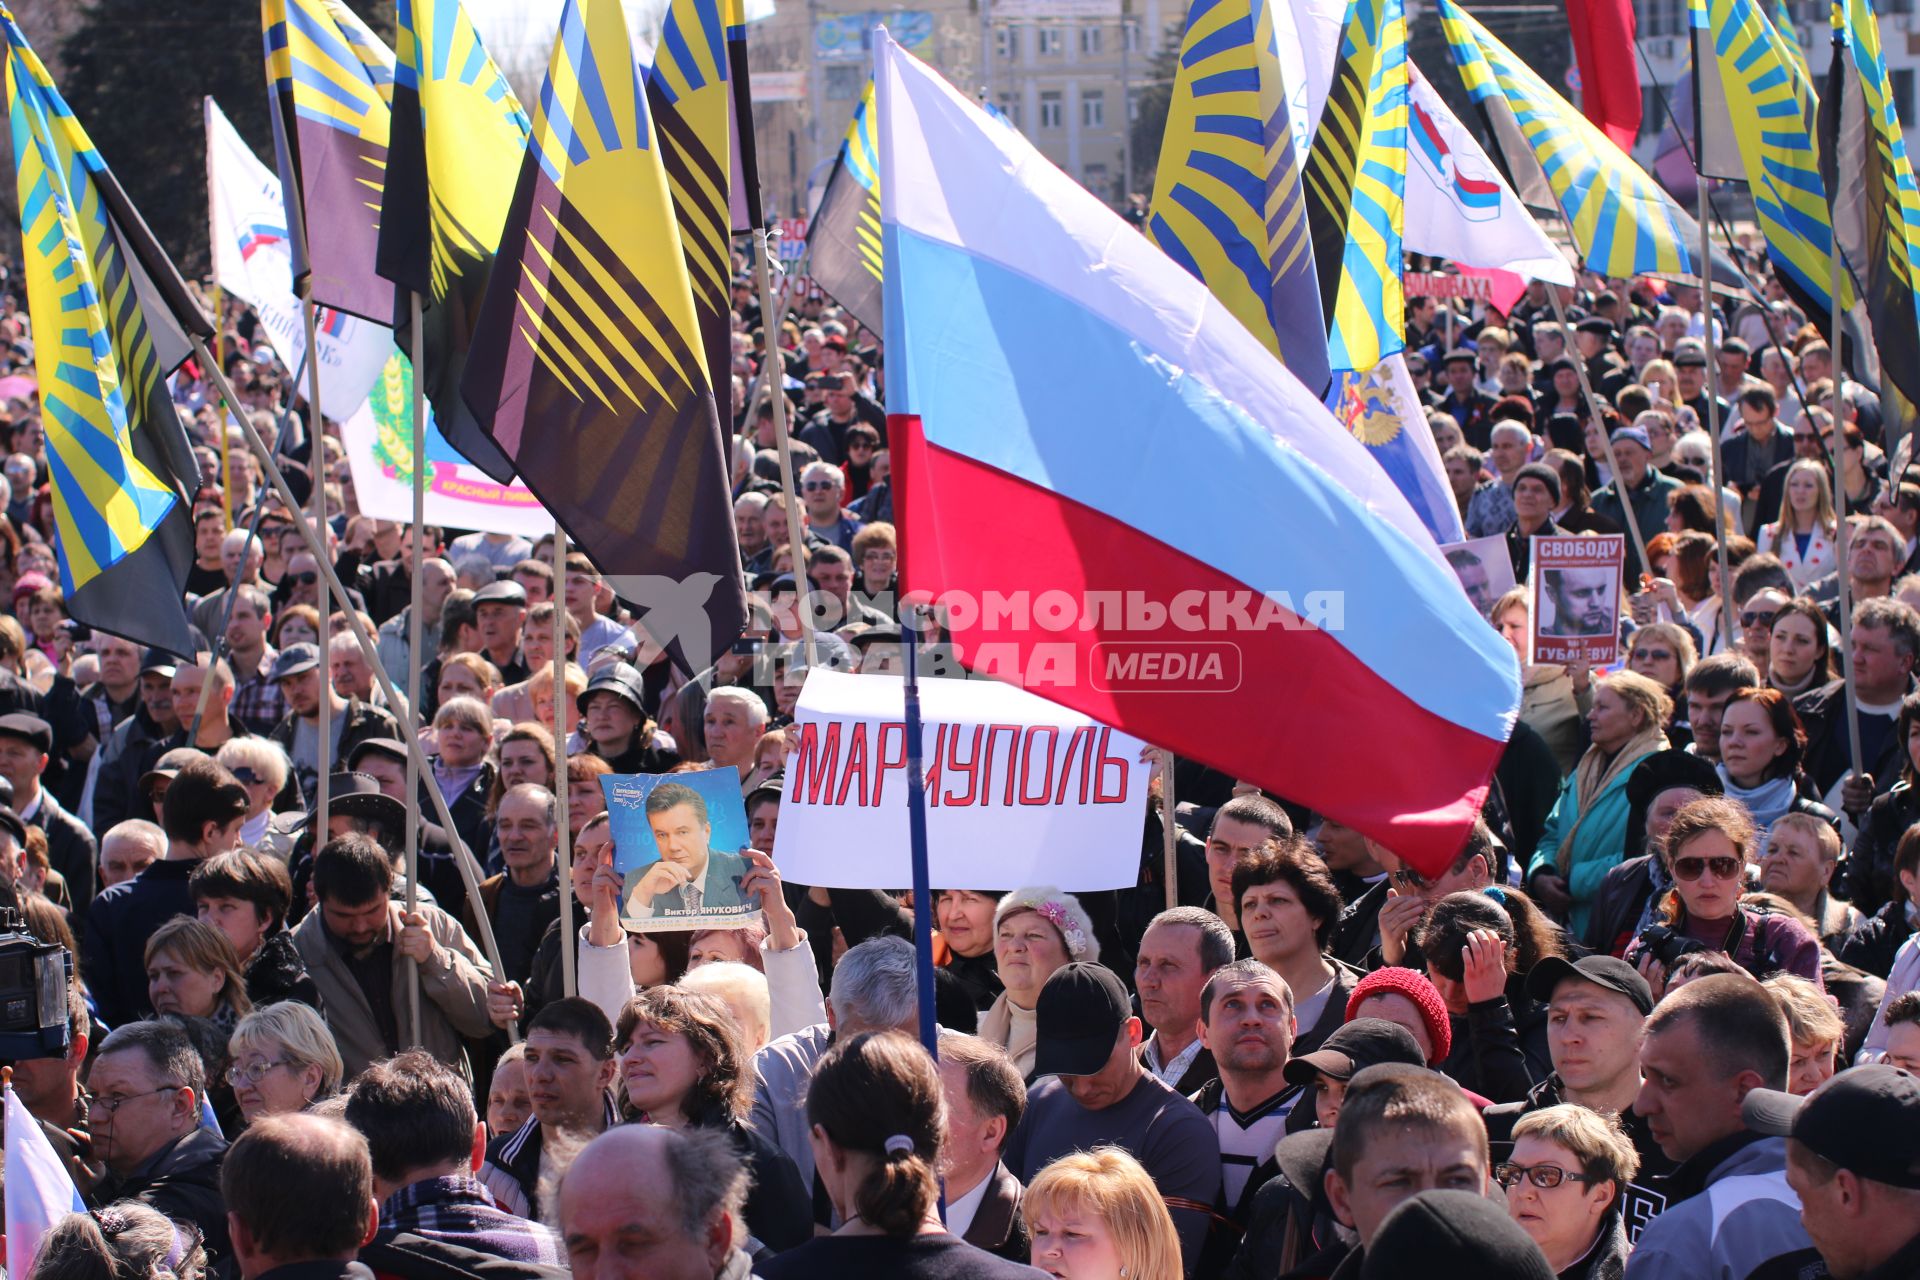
{"type": "Point", "coordinates": [1814, 1026]}
{"type": "Point", "coordinates": [1587, 830]}
{"type": "Point", "coordinates": [1553, 699]}
{"type": "Point", "coordinates": [192, 970]}
{"type": "Point", "coordinates": [1565, 1182]}
{"type": "Point", "coordinates": [1801, 853]}
{"type": "Point", "coordinates": [1096, 1215]}
{"type": "Point", "coordinates": [282, 1059]}
{"type": "Point", "coordinates": [262, 766]}
{"type": "Point", "coordinates": [1805, 534]}
{"type": "Point", "coordinates": [1664, 653]}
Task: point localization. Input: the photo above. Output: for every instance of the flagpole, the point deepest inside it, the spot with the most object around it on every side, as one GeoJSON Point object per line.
{"type": "Point", "coordinates": [917, 838]}
{"type": "Point", "coordinates": [462, 858]}
{"type": "Point", "coordinates": [569, 982]}
{"type": "Point", "coordinates": [317, 466]}
{"type": "Point", "coordinates": [776, 382]}
{"type": "Point", "coordinates": [1169, 833]}
{"type": "Point", "coordinates": [1841, 530]}
{"type": "Point", "coordinates": [1713, 419]}
{"type": "Point", "coordinates": [415, 640]}
{"type": "Point", "coordinates": [226, 457]}
{"type": "Point", "coordinates": [1593, 410]}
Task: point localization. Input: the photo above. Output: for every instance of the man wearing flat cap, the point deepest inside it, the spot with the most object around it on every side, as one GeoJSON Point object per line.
{"type": "Point", "coordinates": [25, 743]}
{"type": "Point", "coordinates": [1464, 402]}
{"type": "Point", "coordinates": [499, 613]}
{"type": "Point", "coordinates": [296, 669]}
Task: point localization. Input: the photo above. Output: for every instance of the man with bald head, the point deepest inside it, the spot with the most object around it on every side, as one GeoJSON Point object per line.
{"type": "Point", "coordinates": [647, 1203]}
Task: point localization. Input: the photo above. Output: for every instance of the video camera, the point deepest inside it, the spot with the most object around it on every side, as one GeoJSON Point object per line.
{"type": "Point", "coordinates": [34, 977]}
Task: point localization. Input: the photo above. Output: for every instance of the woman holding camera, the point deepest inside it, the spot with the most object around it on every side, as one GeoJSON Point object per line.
{"type": "Point", "coordinates": [1707, 852]}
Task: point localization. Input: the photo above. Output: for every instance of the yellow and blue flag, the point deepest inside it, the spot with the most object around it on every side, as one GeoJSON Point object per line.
{"type": "Point", "coordinates": [1783, 23]}
{"type": "Point", "coordinates": [843, 242]}
{"type": "Point", "coordinates": [111, 320]}
{"type": "Point", "coordinates": [453, 157]}
{"type": "Point", "coordinates": [1357, 186]}
{"type": "Point", "coordinates": [586, 365]}
{"type": "Point", "coordinates": [330, 88]}
{"type": "Point", "coordinates": [1875, 202]}
{"type": "Point", "coordinates": [1750, 94]}
{"type": "Point", "coordinates": [691, 99]}
{"type": "Point", "coordinates": [1228, 200]}
{"type": "Point", "coordinates": [1622, 223]}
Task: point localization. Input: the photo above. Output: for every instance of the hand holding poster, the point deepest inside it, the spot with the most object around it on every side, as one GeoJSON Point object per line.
{"type": "Point", "coordinates": [1576, 598]}
{"type": "Point", "coordinates": [1019, 790]}
{"type": "Point", "coordinates": [676, 840]}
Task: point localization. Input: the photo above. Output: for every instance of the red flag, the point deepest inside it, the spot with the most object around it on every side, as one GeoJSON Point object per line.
{"type": "Point", "coordinates": [1603, 32]}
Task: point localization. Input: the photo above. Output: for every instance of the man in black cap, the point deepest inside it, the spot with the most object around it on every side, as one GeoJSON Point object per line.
{"type": "Point", "coordinates": [1607, 373]}
{"type": "Point", "coordinates": [1469, 406]}
{"type": "Point", "coordinates": [385, 761]}
{"type": "Point", "coordinates": [25, 743]}
{"type": "Point", "coordinates": [1100, 1093]}
{"type": "Point", "coordinates": [500, 611]}
{"type": "Point", "coordinates": [133, 746]}
{"type": "Point", "coordinates": [1729, 1209]}
{"type": "Point", "coordinates": [350, 721]}
{"type": "Point", "coordinates": [1690, 377]}
{"type": "Point", "coordinates": [1638, 492]}
{"type": "Point", "coordinates": [1597, 1010]}
{"type": "Point", "coordinates": [1853, 1158]}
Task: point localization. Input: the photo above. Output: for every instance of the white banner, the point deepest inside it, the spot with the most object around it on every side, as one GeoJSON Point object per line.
{"type": "Point", "coordinates": [253, 261]}
{"type": "Point", "coordinates": [1020, 791]}
{"type": "Point", "coordinates": [459, 495]}
{"type": "Point", "coordinates": [1458, 206]}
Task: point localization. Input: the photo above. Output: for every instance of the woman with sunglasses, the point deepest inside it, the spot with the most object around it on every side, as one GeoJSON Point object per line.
{"type": "Point", "coordinates": [1707, 851]}
{"type": "Point", "coordinates": [1564, 1181]}
{"type": "Point", "coordinates": [1761, 744]}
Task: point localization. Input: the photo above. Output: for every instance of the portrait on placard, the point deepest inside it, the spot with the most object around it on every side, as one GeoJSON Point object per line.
{"type": "Point", "coordinates": [1576, 598]}
{"type": "Point", "coordinates": [677, 840]}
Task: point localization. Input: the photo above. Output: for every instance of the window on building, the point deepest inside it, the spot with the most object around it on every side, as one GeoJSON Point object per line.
{"type": "Point", "coordinates": [1053, 42]}
{"type": "Point", "coordinates": [1006, 41]}
{"type": "Point", "coordinates": [845, 82]}
{"type": "Point", "coordinates": [1093, 109]}
{"type": "Point", "coordinates": [1132, 34]}
{"type": "Point", "coordinates": [1010, 108]}
{"type": "Point", "coordinates": [1051, 110]}
{"type": "Point", "coordinates": [1903, 93]}
{"type": "Point", "coordinates": [1090, 38]}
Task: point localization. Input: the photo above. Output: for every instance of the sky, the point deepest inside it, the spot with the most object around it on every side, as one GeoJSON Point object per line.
{"type": "Point", "coordinates": [519, 33]}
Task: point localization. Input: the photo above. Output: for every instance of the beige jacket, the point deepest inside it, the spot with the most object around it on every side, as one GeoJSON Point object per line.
{"type": "Point", "coordinates": [453, 992]}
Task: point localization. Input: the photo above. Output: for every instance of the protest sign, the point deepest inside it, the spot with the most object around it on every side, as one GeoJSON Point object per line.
{"type": "Point", "coordinates": [1576, 598]}
{"type": "Point", "coordinates": [459, 495]}
{"type": "Point", "coordinates": [1020, 791]}
{"type": "Point", "coordinates": [1484, 568]}
{"type": "Point", "coordinates": [676, 841]}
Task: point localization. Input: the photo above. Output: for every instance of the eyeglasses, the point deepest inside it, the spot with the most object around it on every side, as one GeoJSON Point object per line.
{"type": "Point", "coordinates": [1408, 878]}
{"type": "Point", "coordinates": [1651, 655]}
{"type": "Point", "coordinates": [252, 1074]}
{"type": "Point", "coordinates": [303, 579]}
{"type": "Point", "coordinates": [1756, 616]}
{"type": "Point", "coordinates": [1544, 1176]}
{"type": "Point", "coordinates": [109, 1104]}
{"type": "Point", "coordinates": [245, 774]}
{"type": "Point", "coordinates": [1690, 869]}
{"type": "Point", "coordinates": [814, 486]}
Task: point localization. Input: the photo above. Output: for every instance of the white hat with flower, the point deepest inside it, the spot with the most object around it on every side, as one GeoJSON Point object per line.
{"type": "Point", "coordinates": [1059, 909]}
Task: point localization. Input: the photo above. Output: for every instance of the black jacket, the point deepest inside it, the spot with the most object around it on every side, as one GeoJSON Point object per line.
{"type": "Point", "coordinates": [1500, 1048]}
{"type": "Point", "coordinates": [114, 945]}
{"type": "Point", "coordinates": [276, 972]}
{"type": "Point", "coordinates": [1607, 1259]}
{"type": "Point", "coordinates": [1617, 905]}
{"type": "Point", "coordinates": [125, 755]}
{"type": "Point", "coordinates": [363, 720]}
{"type": "Point", "coordinates": [71, 849]}
{"type": "Point", "coordinates": [1870, 945]}
{"type": "Point", "coordinates": [1869, 882]}
{"type": "Point", "coordinates": [1829, 752]}
{"type": "Point", "coordinates": [183, 1181]}
{"type": "Point", "coordinates": [406, 1256]}
{"type": "Point", "coordinates": [1358, 931]}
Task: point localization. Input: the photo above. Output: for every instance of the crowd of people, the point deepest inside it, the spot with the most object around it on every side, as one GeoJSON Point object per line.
{"type": "Point", "coordinates": [1657, 1019]}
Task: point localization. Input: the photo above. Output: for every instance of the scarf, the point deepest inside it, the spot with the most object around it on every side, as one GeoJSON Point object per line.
{"type": "Point", "coordinates": [1765, 802]}
{"type": "Point", "coordinates": [1595, 773]}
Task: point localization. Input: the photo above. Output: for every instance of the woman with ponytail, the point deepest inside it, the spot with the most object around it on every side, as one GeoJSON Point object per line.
{"type": "Point", "coordinates": [877, 1118]}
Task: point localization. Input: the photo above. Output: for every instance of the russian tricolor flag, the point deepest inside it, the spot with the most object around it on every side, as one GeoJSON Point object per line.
{"type": "Point", "coordinates": [1132, 509]}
